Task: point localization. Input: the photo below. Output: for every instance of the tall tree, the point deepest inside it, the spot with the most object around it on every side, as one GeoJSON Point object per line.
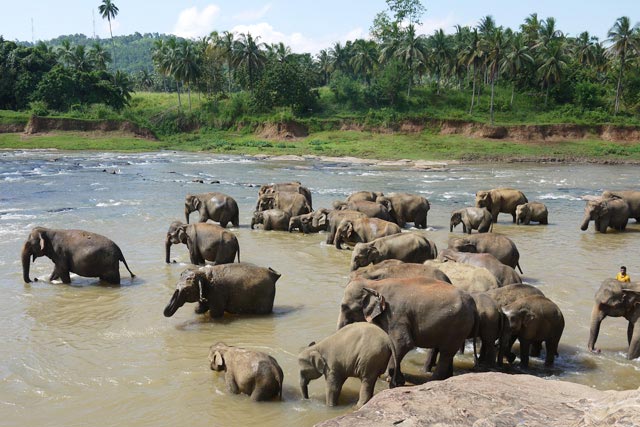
{"type": "Point", "coordinates": [109, 10]}
{"type": "Point", "coordinates": [186, 64]}
{"type": "Point", "coordinates": [624, 39]}
{"type": "Point", "coordinates": [516, 58]}
{"type": "Point", "coordinates": [495, 52]}
{"type": "Point", "coordinates": [473, 55]}
{"type": "Point", "coordinates": [440, 54]}
{"type": "Point", "coordinates": [99, 56]}
{"type": "Point", "coordinates": [324, 62]}
{"type": "Point", "coordinates": [411, 51]}
{"type": "Point", "coordinates": [364, 59]}
{"type": "Point", "coordinates": [248, 53]}
{"type": "Point", "coordinates": [554, 61]}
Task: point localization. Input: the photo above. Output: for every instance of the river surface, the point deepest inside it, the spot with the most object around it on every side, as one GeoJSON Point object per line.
{"type": "Point", "coordinates": [91, 354]}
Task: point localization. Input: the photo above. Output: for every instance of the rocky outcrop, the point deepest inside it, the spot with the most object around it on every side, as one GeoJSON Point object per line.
{"type": "Point", "coordinates": [47, 124]}
{"type": "Point", "coordinates": [496, 399]}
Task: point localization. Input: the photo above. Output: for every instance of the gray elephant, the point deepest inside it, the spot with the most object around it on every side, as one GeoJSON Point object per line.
{"type": "Point", "coordinates": [535, 319]}
{"type": "Point", "coordinates": [370, 209]}
{"type": "Point", "coordinates": [415, 312]}
{"type": "Point", "coordinates": [363, 230]}
{"type": "Point", "coordinates": [360, 350]}
{"type": "Point", "coordinates": [303, 223]}
{"type": "Point", "coordinates": [617, 299]}
{"type": "Point", "coordinates": [287, 187]}
{"type": "Point", "coordinates": [292, 203]}
{"type": "Point", "coordinates": [471, 219]}
{"type": "Point", "coordinates": [500, 200]}
{"type": "Point", "coordinates": [271, 219]}
{"type": "Point", "coordinates": [325, 219]}
{"type": "Point", "coordinates": [407, 247]}
{"type": "Point", "coordinates": [240, 288]}
{"type": "Point", "coordinates": [532, 211]}
{"type": "Point", "coordinates": [631, 197]}
{"type": "Point", "coordinates": [249, 372]}
{"type": "Point", "coordinates": [495, 244]}
{"type": "Point", "coordinates": [205, 242]}
{"type": "Point", "coordinates": [504, 274]}
{"type": "Point", "coordinates": [505, 295]}
{"type": "Point", "coordinates": [396, 269]}
{"type": "Point", "coordinates": [606, 213]}
{"type": "Point", "coordinates": [405, 207]}
{"type": "Point", "coordinates": [466, 277]}
{"type": "Point", "coordinates": [368, 196]}
{"type": "Point", "coordinates": [73, 251]}
{"type": "Point", "coordinates": [217, 207]}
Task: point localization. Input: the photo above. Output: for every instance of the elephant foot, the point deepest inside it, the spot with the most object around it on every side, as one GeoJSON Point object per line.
{"type": "Point", "coordinates": [201, 308]}
{"type": "Point", "coordinates": [511, 357]}
{"type": "Point", "coordinates": [396, 379]}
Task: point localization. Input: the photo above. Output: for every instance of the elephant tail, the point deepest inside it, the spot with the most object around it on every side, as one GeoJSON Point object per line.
{"type": "Point", "coordinates": [121, 258]}
{"type": "Point", "coordinates": [519, 268]}
{"type": "Point", "coordinates": [393, 382]}
{"type": "Point", "coordinates": [238, 253]}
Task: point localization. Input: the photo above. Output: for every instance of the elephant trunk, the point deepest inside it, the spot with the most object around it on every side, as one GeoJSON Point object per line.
{"type": "Point", "coordinates": [253, 222]}
{"type": "Point", "coordinates": [26, 263]}
{"type": "Point", "coordinates": [451, 227]}
{"type": "Point", "coordinates": [186, 214]}
{"type": "Point", "coordinates": [174, 304]}
{"type": "Point", "coordinates": [167, 246]}
{"type": "Point", "coordinates": [304, 386]}
{"type": "Point", "coordinates": [585, 222]}
{"type": "Point", "coordinates": [597, 315]}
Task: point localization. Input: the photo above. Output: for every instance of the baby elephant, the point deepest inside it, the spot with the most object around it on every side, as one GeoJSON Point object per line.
{"type": "Point", "coordinates": [271, 219]}
{"type": "Point", "coordinates": [532, 211]}
{"type": "Point", "coordinates": [361, 350]}
{"type": "Point", "coordinates": [472, 219]}
{"type": "Point", "coordinates": [250, 372]}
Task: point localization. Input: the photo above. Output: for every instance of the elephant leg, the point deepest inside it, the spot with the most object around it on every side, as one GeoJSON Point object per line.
{"type": "Point", "coordinates": [113, 277]}
{"type": "Point", "coordinates": [432, 357]}
{"type": "Point", "coordinates": [634, 341]}
{"type": "Point", "coordinates": [366, 391]}
{"type": "Point", "coordinates": [223, 223]}
{"type": "Point", "coordinates": [494, 215]}
{"type": "Point", "coordinates": [536, 349]}
{"type": "Point", "coordinates": [230, 381]}
{"type": "Point", "coordinates": [54, 275]}
{"type": "Point", "coordinates": [551, 345]}
{"type": "Point", "coordinates": [524, 353]}
{"type": "Point", "coordinates": [334, 387]}
{"type": "Point", "coordinates": [444, 367]}
{"type": "Point", "coordinates": [201, 308]}
{"type": "Point", "coordinates": [514, 217]}
{"type": "Point", "coordinates": [403, 344]}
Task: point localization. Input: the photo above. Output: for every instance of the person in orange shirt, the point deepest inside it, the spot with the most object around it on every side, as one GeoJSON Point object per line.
{"type": "Point", "coordinates": [622, 276]}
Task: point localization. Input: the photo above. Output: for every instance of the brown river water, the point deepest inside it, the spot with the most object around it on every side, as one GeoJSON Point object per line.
{"type": "Point", "coordinates": [91, 354]}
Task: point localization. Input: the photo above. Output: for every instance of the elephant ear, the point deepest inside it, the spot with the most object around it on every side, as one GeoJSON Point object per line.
{"type": "Point", "coordinates": [318, 361]}
{"type": "Point", "coordinates": [630, 298]}
{"type": "Point", "coordinates": [218, 361]}
{"type": "Point", "coordinates": [349, 229]}
{"type": "Point", "coordinates": [42, 241]}
{"type": "Point", "coordinates": [182, 233]}
{"type": "Point", "coordinates": [374, 306]}
{"type": "Point", "coordinates": [528, 318]}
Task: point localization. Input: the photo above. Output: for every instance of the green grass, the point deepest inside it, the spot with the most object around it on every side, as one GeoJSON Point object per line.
{"type": "Point", "coordinates": [78, 141]}
{"type": "Point", "coordinates": [8, 117]}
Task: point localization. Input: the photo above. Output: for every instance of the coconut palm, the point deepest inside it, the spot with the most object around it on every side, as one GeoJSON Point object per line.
{"type": "Point", "coordinates": [65, 52]}
{"type": "Point", "coordinates": [364, 59]}
{"type": "Point", "coordinates": [624, 39]}
{"type": "Point", "coordinates": [440, 54]}
{"type": "Point", "coordinates": [516, 58]}
{"type": "Point", "coordinates": [164, 58]}
{"type": "Point", "coordinates": [186, 64]}
{"type": "Point", "coordinates": [411, 51]}
{"type": "Point", "coordinates": [495, 48]}
{"type": "Point", "coordinates": [248, 52]}
{"type": "Point", "coordinates": [225, 44]}
{"type": "Point", "coordinates": [554, 61]}
{"type": "Point", "coordinates": [109, 10]}
{"type": "Point", "coordinates": [80, 60]}
{"type": "Point", "coordinates": [472, 55]}
{"type": "Point", "coordinates": [324, 62]}
{"type": "Point", "coordinates": [339, 57]}
{"type": "Point", "coordinates": [99, 56]}
{"type": "Point", "coordinates": [531, 29]}
{"type": "Point", "coordinates": [123, 84]}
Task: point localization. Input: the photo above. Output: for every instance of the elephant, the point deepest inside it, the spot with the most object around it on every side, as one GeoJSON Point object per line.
{"type": "Point", "coordinates": [271, 219]}
{"type": "Point", "coordinates": [287, 187]}
{"type": "Point", "coordinates": [415, 312]}
{"type": "Point", "coordinates": [73, 251]}
{"type": "Point", "coordinates": [535, 319]}
{"type": "Point", "coordinates": [495, 244]}
{"type": "Point", "coordinates": [205, 242]}
{"type": "Point", "coordinates": [249, 372]}
{"type": "Point", "coordinates": [631, 197]}
{"type": "Point", "coordinates": [469, 278]}
{"type": "Point", "coordinates": [330, 219]}
{"type": "Point", "coordinates": [606, 213]}
{"type": "Point", "coordinates": [504, 274]}
{"type": "Point", "coordinates": [303, 223]}
{"type": "Point", "coordinates": [472, 219]}
{"type": "Point", "coordinates": [617, 299]}
{"type": "Point", "coordinates": [359, 350]}
{"type": "Point", "coordinates": [396, 269]}
{"type": "Point", "coordinates": [407, 247]}
{"type": "Point", "coordinates": [500, 200]}
{"type": "Point", "coordinates": [214, 206]}
{"type": "Point", "coordinates": [368, 196]}
{"type": "Point", "coordinates": [292, 203]}
{"type": "Point", "coordinates": [370, 209]}
{"type": "Point", "coordinates": [505, 295]}
{"type": "Point", "coordinates": [405, 207]}
{"type": "Point", "coordinates": [363, 230]}
{"type": "Point", "coordinates": [493, 328]}
{"type": "Point", "coordinates": [532, 211]}
{"type": "Point", "coordinates": [240, 288]}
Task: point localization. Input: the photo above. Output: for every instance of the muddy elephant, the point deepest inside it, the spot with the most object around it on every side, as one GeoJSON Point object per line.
{"type": "Point", "coordinates": [363, 230]}
{"type": "Point", "coordinates": [240, 288]}
{"type": "Point", "coordinates": [304, 224]}
{"type": "Point", "coordinates": [292, 203]}
{"type": "Point", "coordinates": [325, 219]}
{"type": "Point", "coordinates": [205, 242]}
{"type": "Point", "coordinates": [396, 269]}
{"type": "Point", "coordinates": [415, 312]}
{"type": "Point", "coordinates": [500, 200]}
{"type": "Point", "coordinates": [271, 219]}
{"type": "Point", "coordinates": [217, 207]}
{"type": "Point", "coordinates": [368, 196]}
{"type": "Point", "coordinates": [359, 350]}
{"type": "Point", "coordinates": [533, 320]}
{"type": "Point", "coordinates": [248, 372]}
{"type": "Point", "coordinates": [532, 211]}
{"type": "Point", "coordinates": [466, 277]}
{"type": "Point", "coordinates": [287, 187]}
{"type": "Point", "coordinates": [495, 244]}
{"type": "Point", "coordinates": [606, 213]}
{"type": "Point", "coordinates": [471, 219]}
{"type": "Point", "coordinates": [504, 274]}
{"type": "Point", "coordinates": [631, 197]}
{"type": "Point", "coordinates": [370, 209]}
{"type": "Point", "coordinates": [407, 247]}
{"type": "Point", "coordinates": [617, 299]}
{"type": "Point", "coordinates": [73, 251]}
{"type": "Point", "coordinates": [405, 207]}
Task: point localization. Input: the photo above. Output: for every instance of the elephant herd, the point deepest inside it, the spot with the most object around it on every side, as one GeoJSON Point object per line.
{"type": "Point", "coordinates": [402, 292]}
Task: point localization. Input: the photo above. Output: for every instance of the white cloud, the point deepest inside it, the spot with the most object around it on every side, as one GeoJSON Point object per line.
{"type": "Point", "coordinates": [429, 26]}
{"type": "Point", "coordinates": [194, 23]}
{"type": "Point", "coordinates": [253, 15]}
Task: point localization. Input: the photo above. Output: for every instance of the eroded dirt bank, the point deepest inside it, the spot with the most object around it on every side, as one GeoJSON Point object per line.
{"type": "Point", "coordinates": [47, 124]}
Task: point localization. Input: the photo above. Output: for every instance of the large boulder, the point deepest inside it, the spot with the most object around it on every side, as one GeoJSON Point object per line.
{"type": "Point", "coordinates": [496, 399]}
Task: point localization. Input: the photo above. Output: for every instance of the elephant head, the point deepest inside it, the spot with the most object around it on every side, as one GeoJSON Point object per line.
{"type": "Point", "coordinates": [301, 222]}
{"type": "Point", "coordinates": [484, 200]}
{"type": "Point", "coordinates": [34, 247]}
{"type": "Point", "coordinates": [463, 244]}
{"type": "Point", "coordinates": [360, 304]}
{"type": "Point", "coordinates": [191, 204]}
{"type": "Point", "coordinates": [364, 254]}
{"type": "Point", "coordinates": [257, 218]}
{"type": "Point", "coordinates": [340, 205]}
{"type": "Point", "coordinates": [593, 211]}
{"type": "Point", "coordinates": [176, 234]}
{"type": "Point", "coordinates": [386, 202]}
{"type": "Point", "coordinates": [266, 201]}
{"type": "Point", "coordinates": [456, 218]}
{"type": "Point", "coordinates": [522, 212]}
{"type": "Point", "coordinates": [319, 220]}
{"type": "Point", "coordinates": [217, 354]}
{"type": "Point", "coordinates": [518, 320]}
{"type": "Point", "coordinates": [344, 231]}
{"type": "Point", "coordinates": [190, 288]}
{"type": "Point", "coordinates": [312, 366]}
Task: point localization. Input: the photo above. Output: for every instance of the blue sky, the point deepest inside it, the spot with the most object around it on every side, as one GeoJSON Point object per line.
{"type": "Point", "coordinates": [305, 25]}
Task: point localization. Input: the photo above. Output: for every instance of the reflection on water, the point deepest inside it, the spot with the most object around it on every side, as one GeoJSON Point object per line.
{"type": "Point", "coordinates": [95, 352]}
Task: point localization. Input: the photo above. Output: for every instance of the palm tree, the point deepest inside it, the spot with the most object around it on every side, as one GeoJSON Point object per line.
{"type": "Point", "coordinates": [411, 51]}
{"type": "Point", "coordinates": [623, 41]}
{"type": "Point", "coordinates": [440, 54]}
{"type": "Point", "coordinates": [109, 10]}
{"type": "Point", "coordinates": [554, 61]}
{"type": "Point", "coordinates": [65, 52]}
{"type": "Point", "coordinates": [548, 32]}
{"type": "Point", "coordinates": [324, 62]}
{"type": "Point", "coordinates": [225, 44]}
{"type": "Point", "coordinates": [80, 60]}
{"type": "Point", "coordinates": [99, 56]}
{"type": "Point", "coordinates": [472, 55]}
{"type": "Point", "coordinates": [163, 56]}
{"type": "Point", "coordinates": [515, 59]}
{"type": "Point", "coordinates": [364, 59]}
{"type": "Point", "coordinates": [339, 58]}
{"type": "Point", "coordinates": [247, 52]}
{"type": "Point", "coordinates": [123, 84]}
{"type": "Point", "coordinates": [495, 47]}
{"type": "Point", "coordinates": [186, 64]}
{"type": "Point", "coordinates": [531, 29]}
